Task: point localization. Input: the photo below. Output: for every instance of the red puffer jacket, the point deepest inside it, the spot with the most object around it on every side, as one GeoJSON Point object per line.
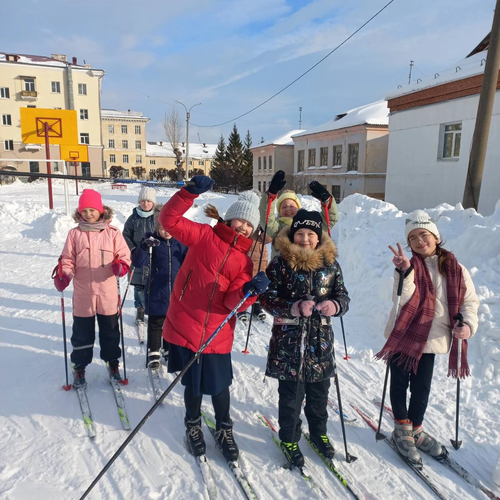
{"type": "Point", "coordinates": [210, 282]}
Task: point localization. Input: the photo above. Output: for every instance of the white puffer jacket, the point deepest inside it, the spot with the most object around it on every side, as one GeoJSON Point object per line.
{"type": "Point", "coordinates": [439, 341]}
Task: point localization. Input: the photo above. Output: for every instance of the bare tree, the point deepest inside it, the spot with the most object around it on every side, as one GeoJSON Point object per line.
{"type": "Point", "coordinates": [174, 128]}
{"type": "Point", "coordinates": [300, 184]}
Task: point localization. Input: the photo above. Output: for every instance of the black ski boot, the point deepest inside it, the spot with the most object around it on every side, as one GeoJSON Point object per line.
{"type": "Point", "coordinates": [292, 453]}
{"type": "Point", "coordinates": [244, 317]}
{"type": "Point", "coordinates": [154, 360]}
{"type": "Point", "coordinates": [113, 369]}
{"type": "Point", "coordinates": [79, 377]}
{"type": "Point", "coordinates": [258, 312]}
{"type": "Point", "coordinates": [323, 445]}
{"type": "Point", "coordinates": [194, 437]}
{"type": "Point", "coordinates": [225, 439]}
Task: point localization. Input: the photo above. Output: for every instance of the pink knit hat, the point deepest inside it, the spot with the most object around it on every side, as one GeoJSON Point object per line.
{"type": "Point", "coordinates": [90, 199]}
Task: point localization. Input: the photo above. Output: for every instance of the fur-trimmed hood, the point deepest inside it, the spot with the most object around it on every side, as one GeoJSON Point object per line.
{"type": "Point", "coordinates": [305, 259]}
{"type": "Point", "coordinates": [106, 216]}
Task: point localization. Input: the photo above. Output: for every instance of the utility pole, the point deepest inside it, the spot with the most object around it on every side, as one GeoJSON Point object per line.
{"type": "Point", "coordinates": [300, 118]}
{"type": "Point", "coordinates": [409, 76]}
{"type": "Point", "coordinates": [483, 120]}
{"type": "Point", "coordinates": [188, 116]}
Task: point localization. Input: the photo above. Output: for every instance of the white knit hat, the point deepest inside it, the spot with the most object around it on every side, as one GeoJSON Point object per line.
{"type": "Point", "coordinates": [420, 219]}
{"type": "Point", "coordinates": [148, 194]}
{"type": "Point", "coordinates": [245, 208]}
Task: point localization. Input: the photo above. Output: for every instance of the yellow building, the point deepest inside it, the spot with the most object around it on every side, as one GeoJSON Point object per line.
{"type": "Point", "coordinates": [124, 139]}
{"type": "Point", "coordinates": [55, 83]}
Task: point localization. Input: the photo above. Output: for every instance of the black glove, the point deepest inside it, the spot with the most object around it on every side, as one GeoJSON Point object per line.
{"type": "Point", "coordinates": [202, 183]}
{"type": "Point", "coordinates": [258, 284]}
{"type": "Point", "coordinates": [277, 182]}
{"type": "Point", "coordinates": [150, 242]}
{"type": "Point", "coordinates": [319, 192]}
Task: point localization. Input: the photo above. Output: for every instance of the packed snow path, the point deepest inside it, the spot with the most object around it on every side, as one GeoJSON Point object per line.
{"type": "Point", "coordinates": [44, 449]}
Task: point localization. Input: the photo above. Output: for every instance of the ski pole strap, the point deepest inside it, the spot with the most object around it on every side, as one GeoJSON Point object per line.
{"type": "Point", "coordinates": [270, 198]}
{"type": "Point", "coordinates": [327, 215]}
{"type": "Point", "coordinates": [57, 271]}
{"type": "Point", "coordinates": [118, 263]}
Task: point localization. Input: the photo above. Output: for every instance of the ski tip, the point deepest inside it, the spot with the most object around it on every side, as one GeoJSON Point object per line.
{"type": "Point", "coordinates": [67, 387]}
{"type": "Point", "coordinates": [456, 444]}
{"type": "Point", "coordinates": [124, 381]}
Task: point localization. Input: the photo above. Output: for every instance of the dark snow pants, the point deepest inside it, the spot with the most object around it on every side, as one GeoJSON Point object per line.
{"type": "Point", "coordinates": [420, 388]}
{"type": "Point", "coordinates": [315, 410]}
{"type": "Point", "coordinates": [155, 329]}
{"type": "Point", "coordinates": [220, 402]}
{"type": "Point", "coordinates": [83, 339]}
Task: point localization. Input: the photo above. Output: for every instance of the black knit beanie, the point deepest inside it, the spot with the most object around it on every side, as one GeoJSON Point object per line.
{"type": "Point", "coordinates": [305, 219]}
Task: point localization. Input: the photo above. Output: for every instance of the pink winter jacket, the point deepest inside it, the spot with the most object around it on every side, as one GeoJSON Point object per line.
{"type": "Point", "coordinates": [87, 257]}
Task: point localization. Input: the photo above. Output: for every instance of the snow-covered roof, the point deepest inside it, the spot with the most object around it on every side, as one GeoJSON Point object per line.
{"type": "Point", "coordinates": [113, 113]}
{"type": "Point", "coordinates": [42, 60]}
{"type": "Point", "coordinates": [283, 140]}
{"type": "Point", "coordinates": [196, 150]}
{"type": "Point", "coordinates": [375, 113]}
{"type": "Point", "coordinates": [465, 68]}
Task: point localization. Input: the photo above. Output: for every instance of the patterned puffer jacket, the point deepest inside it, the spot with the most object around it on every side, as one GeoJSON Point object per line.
{"type": "Point", "coordinates": [295, 274]}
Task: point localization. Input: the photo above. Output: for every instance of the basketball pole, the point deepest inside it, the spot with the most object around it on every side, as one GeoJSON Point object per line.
{"type": "Point", "coordinates": [47, 153]}
{"type": "Point", "coordinates": [76, 180]}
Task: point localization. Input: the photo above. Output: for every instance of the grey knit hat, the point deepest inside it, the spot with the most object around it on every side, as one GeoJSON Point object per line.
{"type": "Point", "coordinates": [420, 220]}
{"type": "Point", "coordinates": [245, 208]}
{"type": "Point", "coordinates": [147, 193]}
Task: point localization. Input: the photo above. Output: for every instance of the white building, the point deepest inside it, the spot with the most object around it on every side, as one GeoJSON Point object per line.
{"type": "Point", "coordinates": [431, 125]}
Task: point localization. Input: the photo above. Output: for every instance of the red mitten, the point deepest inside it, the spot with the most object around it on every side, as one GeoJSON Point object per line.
{"type": "Point", "coordinates": [61, 283]}
{"type": "Point", "coordinates": [328, 308]}
{"type": "Point", "coordinates": [119, 268]}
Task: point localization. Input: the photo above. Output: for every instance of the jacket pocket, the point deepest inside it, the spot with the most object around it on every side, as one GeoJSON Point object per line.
{"type": "Point", "coordinates": [185, 284]}
{"type": "Point", "coordinates": [106, 257]}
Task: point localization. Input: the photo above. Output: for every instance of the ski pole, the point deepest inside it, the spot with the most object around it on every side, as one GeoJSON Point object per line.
{"type": "Point", "coordinates": [348, 458]}
{"type": "Point", "coordinates": [58, 270]}
{"type": "Point", "coordinates": [455, 442]}
{"type": "Point", "coordinates": [124, 380]}
{"type": "Point", "coordinates": [378, 435]}
{"type": "Point", "coordinates": [130, 276]}
{"type": "Point", "coordinates": [165, 394]}
{"type": "Point", "coordinates": [346, 357]}
{"type": "Point", "coordinates": [269, 203]}
{"type": "Point", "coordinates": [149, 299]}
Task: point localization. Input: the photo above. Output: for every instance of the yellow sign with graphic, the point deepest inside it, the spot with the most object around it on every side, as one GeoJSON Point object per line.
{"type": "Point", "coordinates": [60, 124]}
{"type": "Point", "coordinates": [74, 152]}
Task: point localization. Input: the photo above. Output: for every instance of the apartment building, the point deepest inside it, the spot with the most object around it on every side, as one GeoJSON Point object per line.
{"type": "Point", "coordinates": [49, 83]}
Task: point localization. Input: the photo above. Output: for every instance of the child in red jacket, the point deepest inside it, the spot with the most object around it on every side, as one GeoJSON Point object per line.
{"type": "Point", "coordinates": [215, 276]}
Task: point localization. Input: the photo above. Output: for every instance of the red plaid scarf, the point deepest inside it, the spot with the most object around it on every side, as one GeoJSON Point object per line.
{"type": "Point", "coordinates": [413, 324]}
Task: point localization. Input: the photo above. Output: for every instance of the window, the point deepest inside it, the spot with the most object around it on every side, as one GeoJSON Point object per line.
{"type": "Point", "coordinates": [311, 158]}
{"type": "Point", "coordinates": [8, 145]}
{"type": "Point", "coordinates": [85, 169]}
{"type": "Point", "coordinates": [300, 161]}
{"type": "Point", "coordinates": [112, 158]}
{"type": "Point", "coordinates": [34, 167]}
{"type": "Point", "coordinates": [152, 162]}
{"type": "Point", "coordinates": [125, 144]}
{"type": "Point", "coordinates": [323, 157]}
{"type": "Point", "coordinates": [260, 163]}
{"type": "Point", "coordinates": [29, 84]}
{"type": "Point", "coordinates": [55, 87]}
{"type": "Point", "coordinates": [138, 145]}
{"type": "Point", "coordinates": [337, 155]}
{"type": "Point", "coordinates": [124, 129]}
{"type": "Point", "coordinates": [201, 162]}
{"type": "Point", "coordinates": [84, 138]}
{"type": "Point", "coordinates": [264, 186]}
{"type": "Point", "coordinates": [126, 173]}
{"type": "Point", "coordinates": [82, 89]}
{"type": "Point", "coordinates": [270, 162]}
{"type": "Point", "coordinates": [265, 162]}
{"type": "Point", "coordinates": [111, 129]}
{"type": "Point", "coordinates": [353, 156]}
{"type": "Point", "coordinates": [84, 114]}
{"type": "Point", "coordinates": [336, 193]}
{"type": "Point", "coordinates": [56, 166]}
{"type": "Point", "coordinates": [138, 158]}
{"type": "Point", "coordinates": [451, 140]}
{"type": "Point", "coordinates": [111, 143]}
{"type": "Point", "coordinates": [259, 186]}
{"type": "Point", "coordinates": [137, 129]}
{"type": "Point", "coordinates": [6, 120]}
{"type": "Point", "coordinates": [4, 93]}
{"type": "Point", "coordinates": [31, 106]}
{"type": "Point", "coordinates": [125, 159]}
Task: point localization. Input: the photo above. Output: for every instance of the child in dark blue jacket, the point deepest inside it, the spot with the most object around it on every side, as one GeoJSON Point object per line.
{"type": "Point", "coordinates": [167, 257]}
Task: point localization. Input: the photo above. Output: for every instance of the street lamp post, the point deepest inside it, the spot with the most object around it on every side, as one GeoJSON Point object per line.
{"type": "Point", "coordinates": [188, 116]}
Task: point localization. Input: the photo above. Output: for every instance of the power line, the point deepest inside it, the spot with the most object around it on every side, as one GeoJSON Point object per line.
{"type": "Point", "coordinates": [302, 75]}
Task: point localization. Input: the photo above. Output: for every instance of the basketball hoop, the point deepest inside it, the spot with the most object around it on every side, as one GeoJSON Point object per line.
{"type": "Point", "coordinates": [74, 155]}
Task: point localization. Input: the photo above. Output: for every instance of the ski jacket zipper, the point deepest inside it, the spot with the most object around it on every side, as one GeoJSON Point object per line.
{"type": "Point", "coordinates": [169, 270]}
{"type": "Point", "coordinates": [185, 285]}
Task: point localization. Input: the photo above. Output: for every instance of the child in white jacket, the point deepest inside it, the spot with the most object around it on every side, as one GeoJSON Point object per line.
{"type": "Point", "coordinates": [438, 309]}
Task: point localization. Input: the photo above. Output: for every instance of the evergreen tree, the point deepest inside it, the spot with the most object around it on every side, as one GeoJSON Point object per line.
{"type": "Point", "coordinates": [219, 171]}
{"type": "Point", "coordinates": [246, 174]}
{"type": "Point", "coordinates": [235, 157]}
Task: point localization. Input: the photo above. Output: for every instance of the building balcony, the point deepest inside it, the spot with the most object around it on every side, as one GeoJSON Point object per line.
{"type": "Point", "coordinates": [29, 94]}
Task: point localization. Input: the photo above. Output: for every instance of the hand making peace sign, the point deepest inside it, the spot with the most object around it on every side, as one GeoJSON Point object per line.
{"type": "Point", "coordinates": [400, 260]}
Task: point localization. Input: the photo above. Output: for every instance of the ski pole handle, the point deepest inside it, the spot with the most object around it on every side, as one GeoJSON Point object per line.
{"type": "Point", "coordinates": [459, 317]}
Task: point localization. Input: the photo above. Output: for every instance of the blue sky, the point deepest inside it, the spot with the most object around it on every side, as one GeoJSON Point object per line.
{"type": "Point", "coordinates": [231, 55]}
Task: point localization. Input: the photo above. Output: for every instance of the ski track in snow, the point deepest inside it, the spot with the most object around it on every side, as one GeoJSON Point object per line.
{"type": "Point", "coordinates": [44, 449]}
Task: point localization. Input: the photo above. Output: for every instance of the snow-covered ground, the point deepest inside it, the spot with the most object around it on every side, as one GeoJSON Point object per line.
{"type": "Point", "coordinates": [45, 452]}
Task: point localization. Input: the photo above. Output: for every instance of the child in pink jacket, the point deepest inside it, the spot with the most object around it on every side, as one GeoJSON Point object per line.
{"type": "Point", "coordinates": [95, 253]}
